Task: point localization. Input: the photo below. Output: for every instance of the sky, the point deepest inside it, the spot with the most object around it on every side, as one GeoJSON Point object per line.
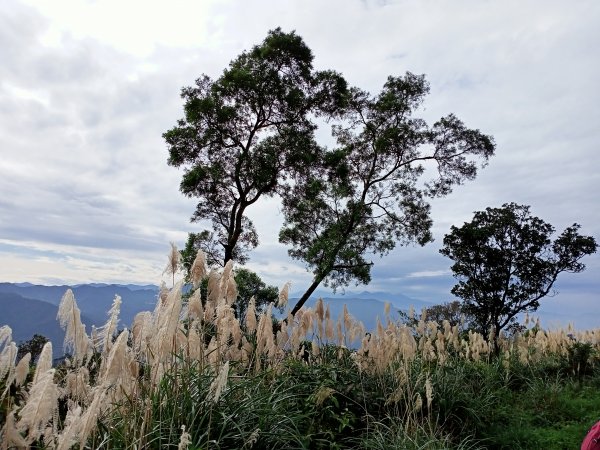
{"type": "Point", "coordinates": [88, 87]}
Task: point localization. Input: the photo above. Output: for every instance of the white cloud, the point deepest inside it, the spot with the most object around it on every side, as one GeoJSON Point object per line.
{"type": "Point", "coordinates": [87, 88]}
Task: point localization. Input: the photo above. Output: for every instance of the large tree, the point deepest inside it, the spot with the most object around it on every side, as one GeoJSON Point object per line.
{"type": "Point", "coordinates": [372, 190]}
{"type": "Point", "coordinates": [247, 132]}
{"type": "Point", "coordinates": [506, 262]}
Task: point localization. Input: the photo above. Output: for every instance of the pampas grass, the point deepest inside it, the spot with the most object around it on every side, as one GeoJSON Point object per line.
{"type": "Point", "coordinates": [40, 406]}
{"type": "Point", "coordinates": [199, 366]}
{"type": "Point", "coordinates": [69, 317]}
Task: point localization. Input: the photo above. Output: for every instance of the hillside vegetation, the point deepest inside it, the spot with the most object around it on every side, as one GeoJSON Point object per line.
{"type": "Point", "coordinates": [192, 375]}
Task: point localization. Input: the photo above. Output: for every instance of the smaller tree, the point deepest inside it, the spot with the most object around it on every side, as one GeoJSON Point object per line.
{"type": "Point", "coordinates": [33, 346]}
{"type": "Point", "coordinates": [506, 262]}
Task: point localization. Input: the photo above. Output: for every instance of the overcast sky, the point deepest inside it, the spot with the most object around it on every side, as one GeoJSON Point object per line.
{"type": "Point", "coordinates": [88, 87]}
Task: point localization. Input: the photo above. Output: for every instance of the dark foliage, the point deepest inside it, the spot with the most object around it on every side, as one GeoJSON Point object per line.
{"type": "Point", "coordinates": [506, 263]}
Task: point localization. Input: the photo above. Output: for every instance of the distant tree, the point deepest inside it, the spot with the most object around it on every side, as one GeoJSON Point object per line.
{"type": "Point", "coordinates": [506, 263]}
{"type": "Point", "coordinates": [246, 133]}
{"type": "Point", "coordinates": [369, 194]}
{"type": "Point", "coordinates": [249, 285]}
{"type": "Point", "coordinates": [33, 346]}
{"type": "Point", "coordinates": [453, 312]}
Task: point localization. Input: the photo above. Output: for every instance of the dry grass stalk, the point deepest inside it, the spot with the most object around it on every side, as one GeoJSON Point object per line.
{"type": "Point", "coordinates": [173, 262]}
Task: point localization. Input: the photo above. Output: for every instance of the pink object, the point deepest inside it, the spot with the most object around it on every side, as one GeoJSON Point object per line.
{"type": "Point", "coordinates": [592, 439]}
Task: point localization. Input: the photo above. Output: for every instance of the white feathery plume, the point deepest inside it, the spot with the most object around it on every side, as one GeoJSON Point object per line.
{"type": "Point", "coordinates": [251, 316]}
{"type": "Point", "coordinates": [44, 362]}
{"type": "Point", "coordinates": [219, 383]}
{"type": "Point", "coordinates": [69, 317]}
{"type": "Point", "coordinates": [227, 273]}
{"type": "Point", "coordinates": [108, 330]}
{"type": "Point", "coordinates": [7, 360]}
{"type": "Point", "coordinates": [41, 403]}
{"type": "Point", "coordinates": [5, 335]}
{"type": "Point", "coordinates": [77, 385]}
{"type": "Point", "coordinates": [166, 324]}
{"type": "Point", "coordinates": [283, 295]}
{"type": "Point", "coordinates": [141, 331]}
{"type": "Point", "coordinates": [231, 293]}
{"type": "Point", "coordinates": [213, 290]}
{"type": "Point", "coordinates": [195, 310]}
{"type": "Point", "coordinates": [11, 438]}
{"type": "Point", "coordinates": [184, 440]}
{"type": "Point", "coordinates": [89, 418]}
{"type": "Point", "coordinates": [73, 423]}
{"type": "Point", "coordinates": [116, 365]}
{"type": "Point", "coordinates": [198, 270]}
{"type": "Point", "coordinates": [22, 369]}
{"type": "Point", "coordinates": [173, 262]}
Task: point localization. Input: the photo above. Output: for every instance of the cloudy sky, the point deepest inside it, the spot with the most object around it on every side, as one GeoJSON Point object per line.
{"type": "Point", "coordinates": [87, 87]}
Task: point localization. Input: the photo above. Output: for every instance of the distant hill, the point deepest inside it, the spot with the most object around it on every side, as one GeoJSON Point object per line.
{"type": "Point", "coordinates": [365, 307]}
{"type": "Point", "coordinates": [94, 300]}
{"type": "Point", "coordinates": [30, 308]}
{"type": "Point", "coordinates": [27, 317]}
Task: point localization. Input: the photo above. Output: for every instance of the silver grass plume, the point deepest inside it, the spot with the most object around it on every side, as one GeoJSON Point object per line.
{"type": "Point", "coordinates": [198, 270]}
{"type": "Point", "coordinates": [89, 418]}
{"type": "Point", "coordinates": [116, 364]}
{"type": "Point", "coordinates": [283, 295]}
{"type": "Point", "coordinates": [39, 409]}
{"type": "Point", "coordinates": [11, 438]}
{"type": "Point", "coordinates": [184, 440]}
{"type": "Point", "coordinates": [44, 362]}
{"type": "Point", "coordinates": [173, 262]}
{"type": "Point", "coordinates": [219, 383]}
{"type": "Point", "coordinates": [251, 316]}
{"type": "Point", "coordinates": [7, 366]}
{"type": "Point", "coordinates": [213, 290]}
{"type": "Point", "coordinates": [195, 310]}
{"type": "Point", "coordinates": [69, 317]}
{"type": "Point", "coordinates": [107, 331]}
{"type": "Point", "coordinates": [22, 369]}
{"type": "Point", "coordinates": [166, 323]}
{"type": "Point", "coordinates": [5, 335]}
{"type": "Point", "coordinates": [72, 427]}
{"type": "Point", "coordinates": [141, 331]}
{"type": "Point", "coordinates": [7, 360]}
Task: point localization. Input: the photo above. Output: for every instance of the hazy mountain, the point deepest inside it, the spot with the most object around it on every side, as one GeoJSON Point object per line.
{"type": "Point", "coordinates": [94, 300]}
{"type": "Point", "coordinates": [38, 306]}
{"type": "Point", "coordinates": [28, 316]}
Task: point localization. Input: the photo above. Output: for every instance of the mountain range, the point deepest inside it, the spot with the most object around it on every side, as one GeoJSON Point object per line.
{"type": "Point", "coordinates": [31, 309]}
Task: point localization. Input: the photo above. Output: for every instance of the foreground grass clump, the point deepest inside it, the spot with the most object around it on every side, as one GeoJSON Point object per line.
{"type": "Point", "coordinates": [192, 375]}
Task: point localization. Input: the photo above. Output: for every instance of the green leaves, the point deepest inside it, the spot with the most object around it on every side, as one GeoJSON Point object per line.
{"type": "Point", "coordinates": [247, 132]}
{"type": "Point", "coordinates": [367, 194]}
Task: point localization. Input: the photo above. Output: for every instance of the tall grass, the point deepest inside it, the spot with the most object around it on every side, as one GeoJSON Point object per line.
{"type": "Point", "coordinates": [190, 374]}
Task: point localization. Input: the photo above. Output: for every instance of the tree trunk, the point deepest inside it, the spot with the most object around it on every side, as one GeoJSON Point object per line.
{"type": "Point", "coordinates": [307, 294]}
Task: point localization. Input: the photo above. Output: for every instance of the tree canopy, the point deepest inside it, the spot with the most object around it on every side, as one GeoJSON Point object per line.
{"type": "Point", "coordinates": [371, 192]}
{"type": "Point", "coordinates": [246, 133]}
{"type": "Point", "coordinates": [506, 262]}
